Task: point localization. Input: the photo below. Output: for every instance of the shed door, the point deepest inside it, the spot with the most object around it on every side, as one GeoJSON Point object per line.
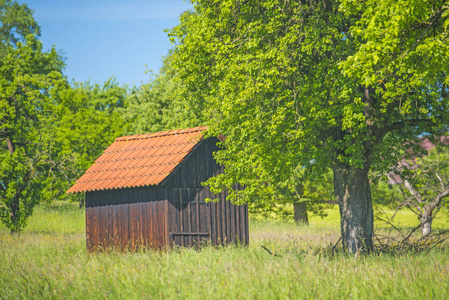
{"type": "Point", "coordinates": [192, 226]}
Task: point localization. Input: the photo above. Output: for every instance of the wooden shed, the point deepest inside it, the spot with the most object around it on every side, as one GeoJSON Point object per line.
{"type": "Point", "coordinates": [145, 190]}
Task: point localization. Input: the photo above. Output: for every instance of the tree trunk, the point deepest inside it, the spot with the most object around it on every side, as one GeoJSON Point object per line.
{"type": "Point", "coordinates": [10, 145]}
{"type": "Point", "coordinates": [14, 215]}
{"type": "Point", "coordinates": [426, 221]}
{"type": "Point", "coordinates": [352, 190]}
{"type": "Point", "coordinates": [300, 213]}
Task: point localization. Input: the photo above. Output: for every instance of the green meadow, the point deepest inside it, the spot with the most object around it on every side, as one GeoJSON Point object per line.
{"type": "Point", "coordinates": [283, 261]}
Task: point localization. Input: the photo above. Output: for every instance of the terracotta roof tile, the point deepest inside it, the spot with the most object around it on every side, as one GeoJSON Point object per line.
{"type": "Point", "coordinates": [139, 160]}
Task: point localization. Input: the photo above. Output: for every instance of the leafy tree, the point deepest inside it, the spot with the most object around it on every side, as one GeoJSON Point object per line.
{"type": "Point", "coordinates": [87, 122]}
{"type": "Point", "coordinates": [27, 76]}
{"type": "Point", "coordinates": [424, 185]}
{"type": "Point", "coordinates": [50, 131]}
{"type": "Point", "coordinates": [315, 84]}
{"type": "Point", "coordinates": [294, 198]}
{"type": "Point", "coordinates": [16, 22]}
{"type": "Point", "coordinates": [157, 105]}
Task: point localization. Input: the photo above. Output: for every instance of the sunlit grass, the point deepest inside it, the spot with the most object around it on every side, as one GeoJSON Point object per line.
{"type": "Point", "coordinates": [283, 260]}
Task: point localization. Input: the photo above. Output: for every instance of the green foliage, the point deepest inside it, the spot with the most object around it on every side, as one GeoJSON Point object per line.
{"type": "Point", "coordinates": [384, 193]}
{"type": "Point", "coordinates": [158, 106]}
{"type": "Point", "coordinates": [27, 76]}
{"type": "Point", "coordinates": [425, 186]}
{"type": "Point", "coordinates": [16, 179]}
{"type": "Point", "coordinates": [278, 202]}
{"type": "Point", "coordinates": [50, 131]}
{"type": "Point", "coordinates": [16, 22]}
{"type": "Point", "coordinates": [402, 47]}
{"type": "Point", "coordinates": [317, 84]}
{"type": "Point", "coordinates": [248, 60]}
{"type": "Point", "coordinates": [87, 121]}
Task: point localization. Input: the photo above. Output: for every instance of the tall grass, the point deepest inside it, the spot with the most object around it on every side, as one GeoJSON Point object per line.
{"type": "Point", "coordinates": [283, 261]}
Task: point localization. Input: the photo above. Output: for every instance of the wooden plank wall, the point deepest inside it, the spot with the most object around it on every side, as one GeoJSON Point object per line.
{"type": "Point", "coordinates": [193, 222]}
{"type": "Point", "coordinates": [124, 219]}
{"type": "Point", "coordinates": [218, 222]}
{"type": "Point", "coordinates": [197, 167]}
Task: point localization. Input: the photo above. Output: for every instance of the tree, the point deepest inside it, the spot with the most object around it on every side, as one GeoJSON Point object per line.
{"type": "Point", "coordinates": [27, 76]}
{"type": "Point", "coordinates": [303, 194]}
{"type": "Point", "coordinates": [16, 23]}
{"type": "Point", "coordinates": [157, 105]}
{"type": "Point", "coordinates": [424, 185]}
{"type": "Point", "coordinates": [296, 83]}
{"type": "Point", "coordinates": [87, 120]}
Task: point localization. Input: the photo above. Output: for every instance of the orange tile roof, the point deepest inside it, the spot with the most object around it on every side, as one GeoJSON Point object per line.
{"type": "Point", "coordinates": [138, 160]}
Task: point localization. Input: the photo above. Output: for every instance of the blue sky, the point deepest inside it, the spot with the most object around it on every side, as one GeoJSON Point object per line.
{"type": "Point", "coordinates": [102, 38]}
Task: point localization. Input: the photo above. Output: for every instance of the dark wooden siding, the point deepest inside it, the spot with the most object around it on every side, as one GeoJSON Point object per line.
{"type": "Point", "coordinates": [193, 221]}
{"type": "Point", "coordinates": [197, 167]}
{"type": "Point", "coordinates": [126, 218]}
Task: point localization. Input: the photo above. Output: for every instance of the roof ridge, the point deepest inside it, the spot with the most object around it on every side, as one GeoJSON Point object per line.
{"type": "Point", "coordinates": [140, 157]}
{"type": "Point", "coordinates": [143, 148]}
{"type": "Point", "coordinates": [160, 133]}
{"type": "Point", "coordinates": [133, 168]}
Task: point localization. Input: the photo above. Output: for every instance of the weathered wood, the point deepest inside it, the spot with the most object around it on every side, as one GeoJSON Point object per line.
{"type": "Point", "coordinates": [233, 224]}
{"type": "Point", "coordinates": [189, 218]}
{"type": "Point", "coordinates": [223, 217]}
{"type": "Point", "coordinates": [170, 223]}
{"type": "Point", "coordinates": [124, 208]}
{"type": "Point", "coordinates": [246, 224]}
{"type": "Point", "coordinates": [189, 233]}
{"type": "Point", "coordinates": [139, 227]}
{"type": "Point", "coordinates": [132, 228]}
{"type": "Point", "coordinates": [242, 221]}
{"type": "Point", "coordinates": [203, 217]}
{"type": "Point", "coordinates": [228, 219]}
{"type": "Point", "coordinates": [166, 222]}
{"type": "Point", "coordinates": [161, 224]}
{"type": "Point", "coordinates": [155, 224]}
{"type": "Point", "coordinates": [110, 226]}
{"type": "Point", "coordinates": [197, 218]}
{"type": "Point", "coordinates": [218, 220]}
{"type": "Point", "coordinates": [213, 221]}
{"type": "Point", "coordinates": [147, 216]}
{"type": "Point", "coordinates": [239, 221]}
{"type": "Point", "coordinates": [150, 227]}
{"type": "Point", "coordinates": [116, 226]}
{"type": "Point", "coordinates": [144, 223]}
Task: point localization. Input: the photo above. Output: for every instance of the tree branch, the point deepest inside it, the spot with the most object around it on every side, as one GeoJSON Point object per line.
{"type": "Point", "coordinates": [436, 203]}
{"type": "Point", "coordinates": [409, 122]}
{"type": "Point", "coordinates": [441, 181]}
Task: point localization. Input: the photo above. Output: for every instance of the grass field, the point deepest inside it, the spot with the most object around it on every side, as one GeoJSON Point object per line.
{"type": "Point", "coordinates": [49, 261]}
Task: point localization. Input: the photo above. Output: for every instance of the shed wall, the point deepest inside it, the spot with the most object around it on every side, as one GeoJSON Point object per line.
{"type": "Point", "coordinates": [126, 218]}
{"type": "Point", "coordinates": [174, 213]}
{"type": "Point", "coordinates": [198, 166]}
{"type": "Point", "coordinates": [192, 220]}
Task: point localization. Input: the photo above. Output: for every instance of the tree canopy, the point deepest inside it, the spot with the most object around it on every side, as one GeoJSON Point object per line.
{"type": "Point", "coordinates": [27, 76]}
{"type": "Point", "coordinates": [315, 84]}
{"type": "Point", "coordinates": [50, 130]}
{"type": "Point", "coordinates": [16, 22]}
{"type": "Point", "coordinates": [158, 105]}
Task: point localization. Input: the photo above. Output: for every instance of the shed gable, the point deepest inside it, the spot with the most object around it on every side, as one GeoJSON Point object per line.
{"type": "Point", "coordinates": [139, 160]}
